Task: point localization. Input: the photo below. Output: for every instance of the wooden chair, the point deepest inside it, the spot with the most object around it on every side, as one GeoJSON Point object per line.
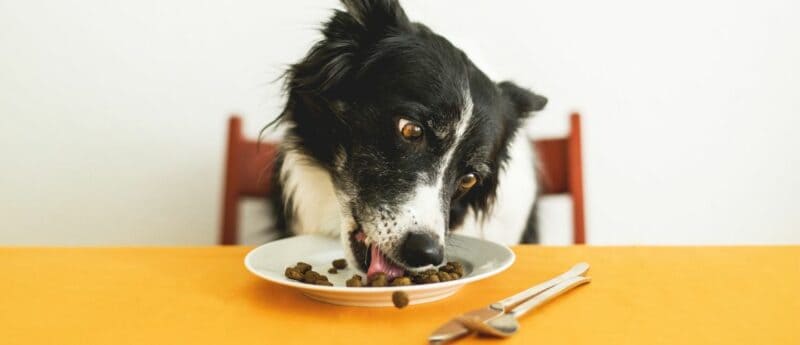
{"type": "Point", "coordinates": [248, 174]}
{"type": "Point", "coordinates": [561, 172]}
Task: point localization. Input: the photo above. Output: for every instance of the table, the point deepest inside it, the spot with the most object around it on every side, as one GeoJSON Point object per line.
{"type": "Point", "coordinates": [639, 295]}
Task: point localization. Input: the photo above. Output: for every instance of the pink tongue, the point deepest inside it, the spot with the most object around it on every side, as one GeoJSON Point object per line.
{"type": "Point", "coordinates": [378, 263]}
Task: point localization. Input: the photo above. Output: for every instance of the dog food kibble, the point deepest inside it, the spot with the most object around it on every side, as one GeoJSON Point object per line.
{"type": "Point", "coordinates": [340, 264]}
{"type": "Point", "coordinates": [378, 279]}
{"type": "Point", "coordinates": [453, 267]}
{"type": "Point", "coordinates": [450, 271]}
{"type": "Point", "coordinates": [293, 274]}
{"type": "Point", "coordinates": [323, 282]}
{"type": "Point", "coordinates": [431, 279]}
{"type": "Point", "coordinates": [457, 267]}
{"type": "Point", "coordinates": [401, 281]}
{"type": "Point", "coordinates": [311, 277]}
{"type": "Point", "coordinates": [302, 267]}
{"type": "Point", "coordinates": [355, 281]}
{"type": "Point", "coordinates": [400, 299]}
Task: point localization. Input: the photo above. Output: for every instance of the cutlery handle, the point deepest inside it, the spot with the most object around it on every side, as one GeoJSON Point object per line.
{"type": "Point", "coordinates": [511, 302]}
{"type": "Point", "coordinates": [548, 295]}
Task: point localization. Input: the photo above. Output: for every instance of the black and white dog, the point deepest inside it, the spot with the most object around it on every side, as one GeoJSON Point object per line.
{"type": "Point", "coordinates": [395, 138]}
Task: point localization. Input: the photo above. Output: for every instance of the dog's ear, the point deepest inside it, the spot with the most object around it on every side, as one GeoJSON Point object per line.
{"type": "Point", "coordinates": [524, 101]}
{"type": "Point", "coordinates": [347, 34]}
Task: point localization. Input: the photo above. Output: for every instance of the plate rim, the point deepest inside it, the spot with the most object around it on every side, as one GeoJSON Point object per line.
{"type": "Point", "coordinates": [366, 289]}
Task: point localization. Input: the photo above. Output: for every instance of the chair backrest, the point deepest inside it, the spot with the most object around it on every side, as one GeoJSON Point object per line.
{"type": "Point", "coordinates": [248, 174]}
{"type": "Point", "coordinates": [561, 172]}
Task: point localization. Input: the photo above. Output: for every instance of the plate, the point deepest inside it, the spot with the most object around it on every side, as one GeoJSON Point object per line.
{"type": "Point", "coordinates": [481, 259]}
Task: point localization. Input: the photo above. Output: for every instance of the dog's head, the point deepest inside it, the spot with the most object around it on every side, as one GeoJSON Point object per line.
{"type": "Point", "coordinates": [411, 131]}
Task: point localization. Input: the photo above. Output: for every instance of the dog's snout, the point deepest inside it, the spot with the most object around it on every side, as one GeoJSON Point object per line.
{"type": "Point", "coordinates": [422, 249]}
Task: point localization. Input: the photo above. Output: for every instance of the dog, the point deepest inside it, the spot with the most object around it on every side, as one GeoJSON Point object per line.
{"type": "Point", "coordinates": [394, 139]}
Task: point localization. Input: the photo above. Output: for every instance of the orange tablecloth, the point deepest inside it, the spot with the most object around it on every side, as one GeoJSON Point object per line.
{"type": "Point", "coordinates": [639, 295]}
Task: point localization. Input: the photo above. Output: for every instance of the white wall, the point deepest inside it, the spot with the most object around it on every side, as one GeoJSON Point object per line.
{"type": "Point", "coordinates": [112, 115]}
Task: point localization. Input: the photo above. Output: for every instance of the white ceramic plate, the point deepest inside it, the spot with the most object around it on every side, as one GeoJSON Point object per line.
{"type": "Point", "coordinates": [481, 259]}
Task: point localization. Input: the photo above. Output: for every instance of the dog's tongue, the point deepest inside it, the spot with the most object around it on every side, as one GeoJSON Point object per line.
{"type": "Point", "coordinates": [378, 263]}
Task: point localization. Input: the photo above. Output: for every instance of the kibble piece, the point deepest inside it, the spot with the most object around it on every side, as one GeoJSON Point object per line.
{"type": "Point", "coordinates": [430, 271]}
{"type": "Point", "coordinates": [378, 279]}
{"type": "Point", "coordinates": [311, 277]}
{"type": "Point", "coordinates": [444, 276]}
{"type": "Point", "coordinates": [401, 281]}
{"type": "Point", "coordinates": [457, 267]}
{"type": "Point", "coordinates": [355, 281]}
{"type": "Point", "coordinates": [340, 264]}
{"type": "Point", "coordinates": [455, 275]}
{"type": "Point", "coordinates": [431, 279]}
{"type": "Point", "coordinates": [333, 270]}
{"type": "Point", "coordinates": [400, 299]}
{"type": "Point", "coordinates": [293, 274]}
{"type": "Point", "coordinates": [323, 282]}
{"type": "Point", "coordinates": [302, 267]}
{"type": "Point", "coordinates": [379, 275]}
{"type": "Point", "coordinates": [419, 278]}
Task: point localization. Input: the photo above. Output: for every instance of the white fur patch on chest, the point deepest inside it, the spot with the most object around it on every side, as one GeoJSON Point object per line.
{"type": "Point", "coordinates": [516, 192]}
{"type": "Point", "coordinates": [314, 205]}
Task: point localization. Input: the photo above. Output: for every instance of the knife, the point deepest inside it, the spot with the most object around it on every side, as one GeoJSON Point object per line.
{"type": "Point", "coordinates": [453, 329]}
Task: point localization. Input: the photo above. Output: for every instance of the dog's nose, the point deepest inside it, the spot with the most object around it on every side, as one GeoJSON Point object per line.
{"type": "Point", "coordinates": [422, 249]}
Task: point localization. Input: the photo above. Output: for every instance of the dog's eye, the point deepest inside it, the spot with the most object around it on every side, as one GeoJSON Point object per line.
{"type": "Point", "coordinates": [409, 130]}
{"type": "Point", "coordinates": [467, 182]}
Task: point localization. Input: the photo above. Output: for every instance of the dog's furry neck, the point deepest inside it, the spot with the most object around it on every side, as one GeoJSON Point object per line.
{"type": "Point", "coordinates": [309, 197]}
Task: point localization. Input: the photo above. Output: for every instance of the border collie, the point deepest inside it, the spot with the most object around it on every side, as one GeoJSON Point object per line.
{"type": "Point", "coordinates": [395, 138]}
